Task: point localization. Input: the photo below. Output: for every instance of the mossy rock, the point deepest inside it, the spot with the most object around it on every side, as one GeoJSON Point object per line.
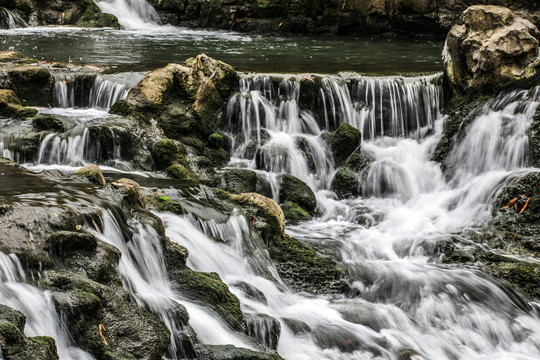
{"type": "Point", "coordinates": [33, 84]}
{"type": "Point", "coordinates": [62, 242]}
{"type": "Point", "coordinates": [294, 212]}
{"type": "Point", "coordinates": [345, 182]}
{"type": "Point", "coordinates": [130, 331]}
{"type": "Point", "coordinates": [92, 173]}
{"type": "Point", "coordinates": [524, 276]}
{"type": "Point", "coordinates": [164, 203]}
{"type": "Point", "coordinates": [209, 289]}
{"type": "Point", "coordinates": [180, 172]}
{"type": "Point", "coordinates": [216, 141]}
{"type": "Point", "coordinates": [265, 208]}
{"type": "Point", "coordinates": [230, 352]}
{"type": "Point", "coordinates": [94, 18]}
{"type": "Point", "coordinates": [239, 181]}
{"type": "Point", "coordinates": [344, 141]}
{"type": "Point", "coordinates": [270, 337]}
{"type": "Point", "coordinates": [218, 157]}
{"type": "Point", "coordinates": [15, 345]}
{"type": "Point", "coordinates": [10, 106]}
{"type": "Point", "coordinates": [165, 153]}
{"type": "Point", "coordinates": [47, 123]}
{"type": "Point", "coordinates": [296, 191]}
{"type": "Point", "coordinates": [133, 196]}
{"type": "Point", "coordinates": [303, 269]}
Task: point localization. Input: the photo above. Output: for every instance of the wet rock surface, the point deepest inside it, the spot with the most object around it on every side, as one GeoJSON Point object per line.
{"type": "Point", "coordinates": [493, 49]}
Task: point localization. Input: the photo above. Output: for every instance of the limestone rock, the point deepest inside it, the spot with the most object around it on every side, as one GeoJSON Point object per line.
{"type": "Point", "coordinates": [133, 195]}
{"type": "Point", "coordinates": [493, 48]}
{"type": "Point", "coordinates": [239, 181]}
{"type": "Point", "coordinates": [296, 191]}
{"type": "Point", "coordinates": [267, 209]}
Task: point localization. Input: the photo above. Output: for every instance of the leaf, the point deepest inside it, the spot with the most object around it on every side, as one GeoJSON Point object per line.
{"type": "Point", "coordinates": [525, 206]}
{"type": "Point", "coordinates": [100, 328]}
{"type": "Point", "coordinates": [518, 180]}
{"type": "Point", "coordinates": [509, 204]}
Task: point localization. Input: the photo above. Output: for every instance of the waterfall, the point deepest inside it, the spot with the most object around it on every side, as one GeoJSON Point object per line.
{"type": "Point", "coordinates": [271, 124]}
{"type": "Point", "coordinates": [131, 14]}
{"type": "Point", "coordinates": [92, 90]}
{"type": "Point", "coordinates": [143, 272]}
{"type": "Point", "coordinates": [41, 316]}
{"type": "Point", "coordinates": [10, 20]}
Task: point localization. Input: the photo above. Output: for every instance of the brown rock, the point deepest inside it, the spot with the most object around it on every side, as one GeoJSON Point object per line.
{"type": "Point", "coordinates": [92, 173]}
{"type": "Point", "coordinates": [133, 193]}
{"type": "Point", "coordinates": [494, 48]}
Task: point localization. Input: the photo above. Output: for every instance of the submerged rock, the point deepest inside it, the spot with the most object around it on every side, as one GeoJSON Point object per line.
{"type": "Point", "coordinates": [15, 345]}
{"type": "Point", "coordinates": [265, 329]}
{"type": "Point", "coordinates": [47, 123]}
{"type": "Point", "coordinates": [92, 173]}
{"type": "Point", "coordinates": [229, 352]}
{"type": "Point", "coordinates": [493, 49]}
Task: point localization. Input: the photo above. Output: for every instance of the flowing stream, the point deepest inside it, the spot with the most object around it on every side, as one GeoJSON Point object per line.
{"type": "Point", "coordinates": [402, 294]}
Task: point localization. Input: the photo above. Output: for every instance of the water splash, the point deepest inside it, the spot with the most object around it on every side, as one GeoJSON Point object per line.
{"type": "Point", "coordinates": [131, 14]}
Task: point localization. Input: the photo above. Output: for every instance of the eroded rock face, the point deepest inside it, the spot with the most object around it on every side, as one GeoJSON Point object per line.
{"type": "Point", "coordinates": [494, 48]}
{"type": "Point", "coordinates": [185, 100]}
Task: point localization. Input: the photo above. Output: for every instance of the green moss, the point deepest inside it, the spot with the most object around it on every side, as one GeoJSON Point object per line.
{"type": "Point", "coordinates": [210, 290]}
{"type": "Point", "coordinates": [216, 141]}
{"type": "Point", "coordinates": [293, 212]}
{"type": "Point", "coordinates": [164, 203]}
{"type": "Point", "coordinates": [180, 172]}
{"type": "Point", "coordinates": [344, 141]}
{"type": "Point", "coordinates": [345, 182]}
{"type": "Point", "coordinates": [165, 153]}
{"type": "Point", "coordinates": [93, 17]}
{"type": "Point", "coordinates": [218, 157]}
{"type": "Point", "coordinates": [524, 276]}
{"type": "Point", "coordinates": [295, 190]}
{"type": "Point", "coordinates": [302, 268]}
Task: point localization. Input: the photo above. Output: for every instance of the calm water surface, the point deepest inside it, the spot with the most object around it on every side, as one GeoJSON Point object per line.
{"type": "Point", "coordinates": [144, 50]}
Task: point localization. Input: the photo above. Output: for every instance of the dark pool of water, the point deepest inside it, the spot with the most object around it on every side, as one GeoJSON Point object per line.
{"type": "Point", "coordinates": [144, 50]}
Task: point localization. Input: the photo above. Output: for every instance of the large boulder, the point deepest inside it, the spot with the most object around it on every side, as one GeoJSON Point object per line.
{"type": "Point", "coordinates": [185, 100]}
{"type": "Point", "coordinates": [10, 106]}
{"type": "Point", "coordinates": [344, 141]}
{"type": "Point", "coordinates": [297, 198]}
{"type": "Point", "coordinates": [494, 48]}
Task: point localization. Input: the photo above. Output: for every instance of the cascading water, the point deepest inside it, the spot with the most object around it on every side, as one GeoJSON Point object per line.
{"type": "Point", "coordinates": [10, 20]}
{"type": "Point", "coordinates": [92, 90]}
{"type": "Point", "coordinates": [131, 14]}
{"type": "Point", "coordinates": [42, 319]}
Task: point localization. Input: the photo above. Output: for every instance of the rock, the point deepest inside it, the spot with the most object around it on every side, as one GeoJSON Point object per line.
{"type": "Point", "coordinates": [69, 241]}
{"type": "Point", "coordinates": [180, 172]}
{"type": "Point", "coordinates": [346, 182]}
{"type": "Point", "coordinates": [294, 190]}
{"type": "Point", "coordinates": [534, 141]}
{"type": "Point", "coordinates": [493, 49]}
{"type": "Point", "coordinates": [525, 276]}
{"type": "Point", "coordinates": [165, 153]}
{"type": "Point", "coordinates": [92, 173]}
{"type": "Point", "coordinates": [10, 106]}
{"type": "Point", "coordinates": [164, 203]}
{"type": "Point", "coordinates": [130, 331]}
{"type": "Point", "coordinates": [15, 345]}
{"type": "Point", "coordinates": [186, 101]}
{"type": "Point", "coordinates": [47, 123]}
{"type": "Point", "coordinates": [265, 329]}
{"type": "Point", "coordinates": [218, 157]}
{"type": "Point", "coordinates": [216, 141]}
{"type": "Point", "coordinates": [33, 84]}
{"type": "Point", "coordinates": [230, 352]}
{"type": "Point", "coordinates": [133, 195]}
{"type": "Point", "coordinates": [294, 212]}
{"type": "Point", "coordinates": [239, 181]}
{"type": "Point", "coordinates": [344, 141]}
{"type": "Point", "coordinates": [264, 208]}
{"type": "Point", "coordinates": [92, 17]}
{"type": "Point", "coordinates": [303, 269]}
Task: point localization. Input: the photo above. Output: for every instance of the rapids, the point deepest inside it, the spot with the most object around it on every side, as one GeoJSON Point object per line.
{"type": "Point", "coordinates": [403, 296]}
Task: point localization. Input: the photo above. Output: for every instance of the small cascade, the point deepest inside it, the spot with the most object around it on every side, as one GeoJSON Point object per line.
{"type": "Point", "coordinates": [41, 316]}
{"type": "Point", "coordinates": [131, 14]}
{"type": "Point", "coordinates": [92, 90]}
{"type": "Point", "coordinates": [11, 20]}
{"type": "Point", "coordinates": [142, 269]}
{"type": "Point", "coordinates": [85, 145]}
